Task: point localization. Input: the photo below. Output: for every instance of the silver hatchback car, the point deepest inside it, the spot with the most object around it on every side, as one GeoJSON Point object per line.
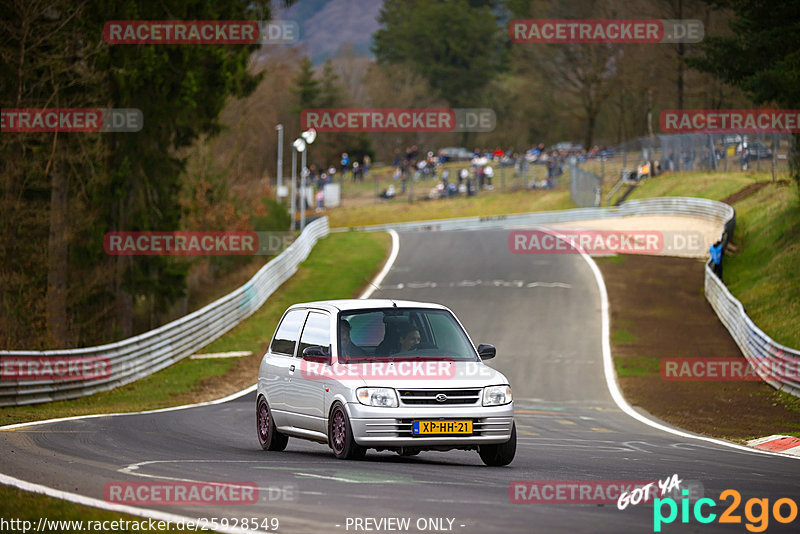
{"type": "Point", "coordinates": [385, 375]}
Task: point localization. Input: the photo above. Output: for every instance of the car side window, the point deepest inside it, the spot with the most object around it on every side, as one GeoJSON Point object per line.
{"type": "Point", "coordinates": [288, 332]}
{"type": "Point", "coordinates": [316, 332]}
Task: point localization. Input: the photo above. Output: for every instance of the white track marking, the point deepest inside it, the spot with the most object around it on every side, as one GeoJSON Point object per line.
{"type": "Point", "coordinates": [468, 283]}
{"type": "Point", "coordinates": [376, 282]}
{"type": "Point", "coordinates": [213, 355]}
{"type": "Point", "coordinates": [103, 505]}
{"type": "Point", "coordinates": [92, 416]}
{"type": "Point", "coordinates": [549, 284]}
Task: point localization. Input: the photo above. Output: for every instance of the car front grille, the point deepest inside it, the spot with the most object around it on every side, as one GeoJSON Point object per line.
{"type": "Point", "coordinates": [402, 428]}
{"type": "Point", "coordinates": [416, 397]}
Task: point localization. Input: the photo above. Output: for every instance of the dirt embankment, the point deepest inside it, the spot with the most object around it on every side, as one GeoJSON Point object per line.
{"type": "Point", "coordinates": [658, 311]}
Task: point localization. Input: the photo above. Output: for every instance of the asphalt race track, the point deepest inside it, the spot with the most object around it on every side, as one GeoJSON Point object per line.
{"type": "Point", "coordinates": [543, 313]}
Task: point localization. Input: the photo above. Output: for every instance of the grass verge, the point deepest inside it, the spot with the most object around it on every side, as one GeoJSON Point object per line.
{"type": "Point", "coordinates": [764, 272]}
{"type": "Point", "coordinates": [484, 204]}
{"type": "Point", "coordinates": [31, 507]}
{"type": "Point", "coordinates": [713, 185]}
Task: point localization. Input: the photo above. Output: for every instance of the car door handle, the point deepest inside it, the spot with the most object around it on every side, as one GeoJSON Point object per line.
{"type": "Point", "coordinates": [291, 368]}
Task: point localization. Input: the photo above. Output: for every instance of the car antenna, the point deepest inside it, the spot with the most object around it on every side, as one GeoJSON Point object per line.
{"type": "Point", "coordinates": [394, 304]}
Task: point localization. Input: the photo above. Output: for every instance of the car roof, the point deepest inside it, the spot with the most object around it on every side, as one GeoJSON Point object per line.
{"type": "Point", "coordinates": [365, 304]}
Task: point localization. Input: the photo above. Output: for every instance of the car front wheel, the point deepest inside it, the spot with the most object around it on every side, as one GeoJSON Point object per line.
{"type": "Point", "coordinates": [501, 453]}
{"type": "Point", "coordinates": [340, 436]}
{"type": "Point", "coordinates": [268, 435]}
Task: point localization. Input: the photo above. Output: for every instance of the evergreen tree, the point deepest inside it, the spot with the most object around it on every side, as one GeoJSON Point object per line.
{"type": "Point", "coordinates": [454, 46]}
{"type": "Point", "coordinates": [61, 193]}
{"type": "Point", "coordinates": [307, 91]}
{"type": "Point", "coordinates": [762, 56]}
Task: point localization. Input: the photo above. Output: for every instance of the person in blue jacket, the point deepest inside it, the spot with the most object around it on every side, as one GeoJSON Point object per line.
{"type": "Point", "coordinates": [716, 258]}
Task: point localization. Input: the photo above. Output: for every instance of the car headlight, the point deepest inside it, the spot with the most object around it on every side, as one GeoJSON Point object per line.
{"type": "Point", "coordinates": [385, 397]}
{"type": "Point", "coordinates": [496, 395]}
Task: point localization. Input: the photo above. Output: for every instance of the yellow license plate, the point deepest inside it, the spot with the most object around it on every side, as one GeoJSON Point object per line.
{"type": "Point", "coordinates": [441, 427]}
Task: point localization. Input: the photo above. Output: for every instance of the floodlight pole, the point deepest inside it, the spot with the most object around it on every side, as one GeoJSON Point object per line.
{"type": "Point", "coordinates": [303, 190]}
{"type": "Point", "coordinates": [294, 185]}
{"type": "Point", "coordinates": [306, 138]}
{"type": "Point", "coordinates": [280, 162]}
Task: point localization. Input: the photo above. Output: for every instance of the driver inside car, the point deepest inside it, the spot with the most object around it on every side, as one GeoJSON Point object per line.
{"type": "Point", "coordinates": [409, 338]}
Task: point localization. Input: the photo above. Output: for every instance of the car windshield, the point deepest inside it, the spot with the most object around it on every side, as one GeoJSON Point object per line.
{"type": "Point", "coordinates": [402, 333]}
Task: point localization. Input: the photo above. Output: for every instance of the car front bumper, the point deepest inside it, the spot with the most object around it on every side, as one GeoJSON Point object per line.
{"type": "Point", "coordinates": [391, 427]}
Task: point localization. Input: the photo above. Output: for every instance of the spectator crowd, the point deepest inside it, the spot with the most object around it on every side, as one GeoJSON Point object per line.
{"type": "Point", "coordinates": [474, 171]}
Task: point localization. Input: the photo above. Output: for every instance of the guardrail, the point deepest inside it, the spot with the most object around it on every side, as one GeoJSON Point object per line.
{"type": "Point", "coordinates": [142, 355]}
{"type": "Point", "coordinates": [775, 363]}
{"type": "Point", "coordinates": [696, 207]}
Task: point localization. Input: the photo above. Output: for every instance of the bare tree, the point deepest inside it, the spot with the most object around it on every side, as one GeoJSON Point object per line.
{"type": "Point", "coordinates": [588, 75]}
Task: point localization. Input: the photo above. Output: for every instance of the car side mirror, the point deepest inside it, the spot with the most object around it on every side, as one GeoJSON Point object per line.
{"type": "Point", "coordinates": [486, 351]}
{"type": "Point", "coordinates": [316, 353]}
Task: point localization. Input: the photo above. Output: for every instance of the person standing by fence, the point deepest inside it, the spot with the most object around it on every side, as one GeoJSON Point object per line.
{"type": "Point", "coordinates": [366, 164]}
{"type": "Point", "coordinates": [344, 165]}
{"type": "Point", "coordinates": [716, 258]}
{"type": "Point", "coordinates": [488, 173]}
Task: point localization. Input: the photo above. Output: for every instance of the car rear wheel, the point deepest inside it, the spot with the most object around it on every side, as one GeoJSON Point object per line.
{"type": "Point", "coordinates": [268, 435]}
{"type": "Point", "coordinates": [340, 436]}
{"type": "Point", "coordinates": [501, 453]}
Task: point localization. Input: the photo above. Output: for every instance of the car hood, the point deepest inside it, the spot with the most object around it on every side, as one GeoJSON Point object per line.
{"type": "Point", "coordinates": [423, 374]}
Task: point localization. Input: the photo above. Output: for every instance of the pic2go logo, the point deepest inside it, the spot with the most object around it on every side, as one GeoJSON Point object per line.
{"type": "Point", "coordinates": [757, 522]}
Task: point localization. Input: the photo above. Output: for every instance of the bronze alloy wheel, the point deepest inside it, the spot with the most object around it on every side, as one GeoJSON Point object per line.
{"type": "Point", "coordinates": [268, 436]}
{"type": "Point", "coordinates": [340, 436]}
